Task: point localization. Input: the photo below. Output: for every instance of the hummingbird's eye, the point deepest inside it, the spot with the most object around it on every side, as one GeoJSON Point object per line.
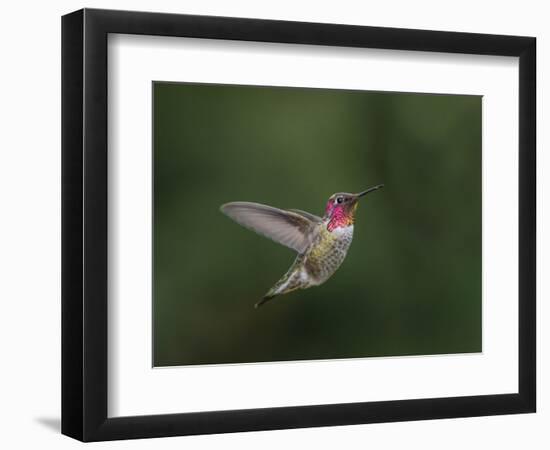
{"type": "Point", "coordinates": [340, 199]}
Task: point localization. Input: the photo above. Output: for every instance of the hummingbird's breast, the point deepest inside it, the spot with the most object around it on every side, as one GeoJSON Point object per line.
{"type": "Point", "coordinates": [327, 252]}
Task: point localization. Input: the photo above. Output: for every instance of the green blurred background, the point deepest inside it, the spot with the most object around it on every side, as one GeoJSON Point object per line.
{"type": "Point", "coordinates": [411, 283]}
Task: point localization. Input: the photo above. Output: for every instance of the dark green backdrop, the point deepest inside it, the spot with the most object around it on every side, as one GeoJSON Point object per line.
{"type": "Point", "coordinates": [411, 283]}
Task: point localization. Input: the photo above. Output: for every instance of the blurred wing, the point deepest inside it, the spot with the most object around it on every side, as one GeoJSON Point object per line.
{"type": "Point", "coordinates": [285, 227]}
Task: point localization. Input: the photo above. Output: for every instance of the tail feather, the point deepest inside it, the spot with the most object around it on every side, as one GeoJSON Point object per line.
{"type": "Point", "coordinates": [266, 298]}
{"type": "Point", "coordinates": [291, 281]}
{"type": "Point", "coordinates": [273, 292]}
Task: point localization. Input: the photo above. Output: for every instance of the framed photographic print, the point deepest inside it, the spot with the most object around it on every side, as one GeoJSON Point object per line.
{"type": "Point", "coordinates": [273, 224]}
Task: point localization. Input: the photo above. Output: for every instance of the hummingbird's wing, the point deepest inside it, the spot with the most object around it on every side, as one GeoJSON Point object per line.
{"type": "Point", "coordinates": [285, 227]}
{"type": "Point", "coordinates": [307, 215]}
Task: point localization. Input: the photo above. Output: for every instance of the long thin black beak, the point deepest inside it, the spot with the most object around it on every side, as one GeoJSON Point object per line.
{"type": "Point", "coordinates": [369, 190]}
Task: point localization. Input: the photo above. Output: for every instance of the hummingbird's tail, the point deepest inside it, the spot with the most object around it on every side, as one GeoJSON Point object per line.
{"type": "Point", "coordinates": [290, 281]}
{"type": "Point", "coordinates": [265, 298]}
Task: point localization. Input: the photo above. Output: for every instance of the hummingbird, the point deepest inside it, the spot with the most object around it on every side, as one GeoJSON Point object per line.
{"type": "Point", "coordinates": [322, 243]}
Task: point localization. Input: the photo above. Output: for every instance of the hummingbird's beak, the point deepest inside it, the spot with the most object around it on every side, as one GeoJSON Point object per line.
{"type": "Point", "coordinates": [369, 190]}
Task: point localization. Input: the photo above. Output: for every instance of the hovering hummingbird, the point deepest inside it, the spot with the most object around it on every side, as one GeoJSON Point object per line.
{"type": "Point", "coordinates": [321, 243]}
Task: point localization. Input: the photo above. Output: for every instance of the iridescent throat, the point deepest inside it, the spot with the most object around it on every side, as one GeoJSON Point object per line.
{"type": "Point", "coordinates": [339, 219]}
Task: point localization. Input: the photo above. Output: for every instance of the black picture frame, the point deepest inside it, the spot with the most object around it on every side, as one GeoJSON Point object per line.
{"type": "Point", "coordinates": [84, 224]}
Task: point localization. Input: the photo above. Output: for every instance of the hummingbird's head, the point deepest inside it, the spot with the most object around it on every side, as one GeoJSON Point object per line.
{"type": "Point", "coordinates": [341, 207]}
